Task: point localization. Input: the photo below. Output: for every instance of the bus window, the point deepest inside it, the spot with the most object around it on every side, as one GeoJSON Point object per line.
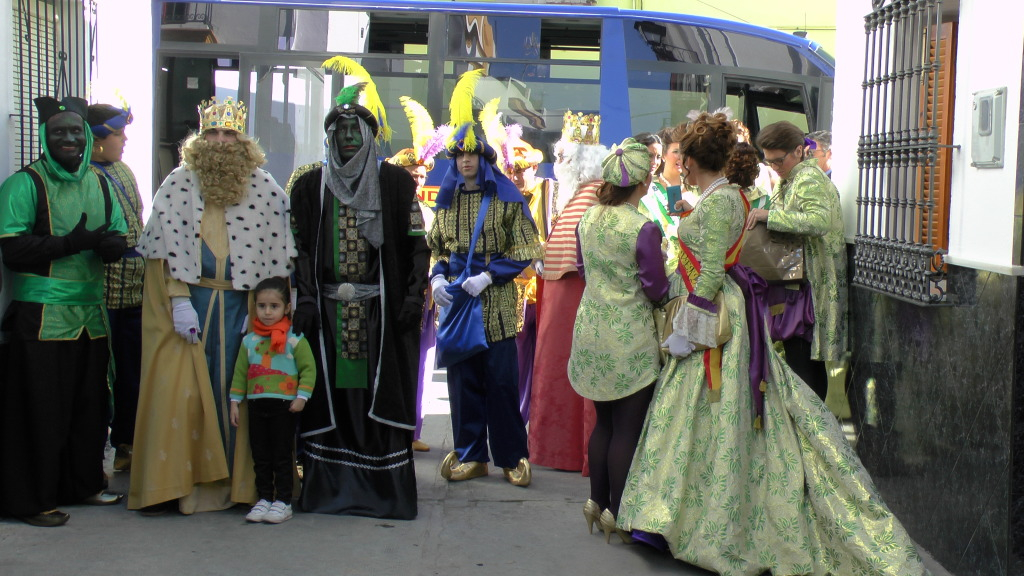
{"type": "Point", "coordinates": [760, 103]}
{"type": "Point", "coordinates": [660, 99]}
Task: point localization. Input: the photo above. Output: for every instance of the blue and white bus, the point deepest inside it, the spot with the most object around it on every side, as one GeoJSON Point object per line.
{"type": "Point", "coordinates": [642, 71]}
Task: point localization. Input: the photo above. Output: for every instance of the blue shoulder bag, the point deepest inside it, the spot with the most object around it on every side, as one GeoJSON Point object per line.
{"type": "Point", "coordinates": [460, 330]}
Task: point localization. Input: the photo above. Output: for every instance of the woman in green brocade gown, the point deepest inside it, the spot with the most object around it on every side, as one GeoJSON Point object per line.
{"type": "Point", "coordinates": [728, 477]}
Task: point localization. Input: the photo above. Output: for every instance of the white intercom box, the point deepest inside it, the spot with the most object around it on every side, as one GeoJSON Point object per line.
{"type": "Point", "coordinates": [988, 132]}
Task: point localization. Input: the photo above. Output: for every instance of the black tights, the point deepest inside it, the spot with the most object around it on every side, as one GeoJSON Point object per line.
{"type": "Point", "coordinates": [812, 372]}
{"type": "Point", "coordinates": [612, 444]}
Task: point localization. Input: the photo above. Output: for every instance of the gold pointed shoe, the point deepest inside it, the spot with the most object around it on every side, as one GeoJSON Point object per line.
{"type": "Point", "coordinates": [468, 471]}
{"type": "Point", "coordinates": [521, 475]}
{"type": "Point", "coordinates": [592, 513]}
{"type": "Point", "coordinates": [123, 458]}
{"type": "Point", "coordinates": [450, 461]}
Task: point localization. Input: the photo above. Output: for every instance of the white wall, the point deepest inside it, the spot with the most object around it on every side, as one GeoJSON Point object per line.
{"type": "Point", "coordinates": [846, 105]}
{"type": "Point", "coordinates": [125, 67]}
{"type": "Point", "coordinates": [981, 224]}
{"type": "Point", "coordinates": [989, 54]}
{"type": "Point", "coordinates": [7, 91]}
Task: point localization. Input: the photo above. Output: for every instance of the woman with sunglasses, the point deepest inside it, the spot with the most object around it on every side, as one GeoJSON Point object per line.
{"type": "Point", "coordinates": [806, 203]}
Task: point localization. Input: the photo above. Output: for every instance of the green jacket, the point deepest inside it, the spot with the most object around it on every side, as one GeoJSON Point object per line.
{"type": "Point", "coordinates": [807, 203]}
{"type": "Point", "coordinates": [70, 288]}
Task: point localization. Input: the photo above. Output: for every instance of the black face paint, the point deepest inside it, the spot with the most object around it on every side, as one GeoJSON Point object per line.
{"type": "Point", "coordinates": [348, 139]}
{"type": "Point", "coordinates": [65, 139]}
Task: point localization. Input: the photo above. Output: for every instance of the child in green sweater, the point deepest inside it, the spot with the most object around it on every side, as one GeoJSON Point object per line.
{"type": "Point", "coordinates": [275, 372]}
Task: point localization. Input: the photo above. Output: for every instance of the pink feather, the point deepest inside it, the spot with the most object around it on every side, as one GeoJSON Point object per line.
{"type": "Point", "coordinates": [436, 142]}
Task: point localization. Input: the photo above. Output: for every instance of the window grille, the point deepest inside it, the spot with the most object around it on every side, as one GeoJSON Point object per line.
{"type": "Point", "coordinates": [903, 152]}
{"type": "Point", "coordinates": [186, 13]}
{"type": "Point", "coordinates": [54, 54]}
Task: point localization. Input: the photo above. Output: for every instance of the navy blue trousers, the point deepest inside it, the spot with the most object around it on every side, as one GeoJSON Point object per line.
{"type": "Point", "coordinates": [126, 342]}
{"type": "Point", "coordinates": [484, 395]}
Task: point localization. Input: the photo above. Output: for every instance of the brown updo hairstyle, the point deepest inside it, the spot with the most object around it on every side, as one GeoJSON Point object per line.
{"type": "Point", "coordinates": [743, 165]}
{"type": "Point", "coordinates": [784, 136]}
{"type": "Point", "coordinates": [708, 139]}
{"type": "Point", "coordinates": [666, 138]}
{"type": "Point", "coordinates": [742, 132]}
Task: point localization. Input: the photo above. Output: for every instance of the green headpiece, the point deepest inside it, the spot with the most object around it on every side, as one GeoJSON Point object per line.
{"type": "Point", "coordinates": [627, 165]}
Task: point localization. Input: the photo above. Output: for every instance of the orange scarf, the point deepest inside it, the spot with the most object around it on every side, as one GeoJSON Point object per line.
{"type": "Point", "coordinates": [278, 332]}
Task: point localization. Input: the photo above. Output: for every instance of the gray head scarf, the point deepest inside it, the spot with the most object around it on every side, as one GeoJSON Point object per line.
{"type": "Point", "coordinates": [356, 183]}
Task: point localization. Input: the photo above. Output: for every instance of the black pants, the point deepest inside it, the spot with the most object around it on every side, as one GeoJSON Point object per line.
{"type": "Point", "coordinates": [812, 372]}
{"type": "Point", "coordinates": [272, 437]}
{"type": "Point", "coordinates": [53, 421]}
{"type": "Point", "coordinates": [126, 343]}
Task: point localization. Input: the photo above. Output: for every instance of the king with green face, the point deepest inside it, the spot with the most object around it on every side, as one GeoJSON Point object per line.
{"type": "Point", "coordinates": [65, 139]}
{"type": "Point", "coordinates": [348, 138]}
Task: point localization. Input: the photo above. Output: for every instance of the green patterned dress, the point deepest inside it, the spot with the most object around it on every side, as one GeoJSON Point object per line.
{"type": "Point", "coordinates": [806, 202]}
{"type": "Point", "coordinates": [614, 346]}
{"type": "Point", "coordinates": [792, 498]}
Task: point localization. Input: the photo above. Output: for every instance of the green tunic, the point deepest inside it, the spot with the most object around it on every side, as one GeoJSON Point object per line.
{"type": "Point", "coordinates": [71, 288]}
{"type": "Point", "coordinates": [807, 203]}
{"type": "Point", "coordinates": [614, 345]}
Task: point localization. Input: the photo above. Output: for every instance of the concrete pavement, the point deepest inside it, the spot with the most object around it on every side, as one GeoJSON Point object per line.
{"type": "Point", "coordinates": [482, 526]}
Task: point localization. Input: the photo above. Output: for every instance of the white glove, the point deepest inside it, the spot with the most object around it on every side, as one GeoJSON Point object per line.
{"type": "Point", "coordinates": [538, 267]}
{"type": "Point", "coordinates": [678, 345]}
{"type": "Point", "coordinates": [186, 321]}
{"type": "Point", "coordinates": [437, 290]}
{"type": "Point", "coordinates": [474, 285]}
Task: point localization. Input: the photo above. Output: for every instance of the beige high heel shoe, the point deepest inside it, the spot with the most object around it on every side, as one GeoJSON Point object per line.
{"type": "Point", "coordinates": [592, 513]}
{"type": "Point", "coordinates": [608, 525]}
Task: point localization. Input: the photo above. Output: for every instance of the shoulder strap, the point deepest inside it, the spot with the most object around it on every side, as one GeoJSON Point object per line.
{"type": "Point", "coordinates": [108, 204]}
{"type": "Point", "coordinates": [42, 223]}
{"type": "Point", "coordinates": [484, 203]}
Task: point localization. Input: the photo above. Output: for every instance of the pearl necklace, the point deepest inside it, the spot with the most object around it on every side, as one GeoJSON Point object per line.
{"type": "Point", "coordinates": [722, 181]}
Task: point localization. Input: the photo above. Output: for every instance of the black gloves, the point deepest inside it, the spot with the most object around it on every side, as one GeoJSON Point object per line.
{"type": "Point", "coordinates": [410, 316]}
{"type": "Point", "coordinates": [305, 319]}
{"type": "Point", "coordinates": [81, 239]}
{"type": "Point", "coordinates": [111, 248]}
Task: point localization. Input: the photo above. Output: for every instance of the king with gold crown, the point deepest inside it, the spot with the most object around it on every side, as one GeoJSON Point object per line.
{"type": "Point", "coordinates": [560, 419]}
{"type": "Point", "coordinates": [220, 225]}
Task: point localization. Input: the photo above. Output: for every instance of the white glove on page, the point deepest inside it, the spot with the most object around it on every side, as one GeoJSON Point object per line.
{"type": "Point", "coordinates": [678, 345]}
{"type": "Point", "coordinates": [474, 285]}
{"type": "Point", "coordinates": [186, 321]}
{"type": "Point", "coordinates": [437, 290]}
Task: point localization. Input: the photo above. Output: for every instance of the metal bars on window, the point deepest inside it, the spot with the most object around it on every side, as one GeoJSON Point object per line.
{"type": "Point", "coordinates": [903, 194]}
{"type": "Point", "coordinates": [54, 54]}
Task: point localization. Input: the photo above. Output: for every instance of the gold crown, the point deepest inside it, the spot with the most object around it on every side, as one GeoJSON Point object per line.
{"type": "Point", "coordinates": [581, 128]}
{"type": "Point", "coordinates": [229, 115]}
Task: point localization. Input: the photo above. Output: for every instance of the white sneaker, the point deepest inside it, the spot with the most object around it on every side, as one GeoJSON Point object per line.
{"type": "Point", "coordinates": [279, 512]}
{"type": "Point", "coordinates": [258, 512]}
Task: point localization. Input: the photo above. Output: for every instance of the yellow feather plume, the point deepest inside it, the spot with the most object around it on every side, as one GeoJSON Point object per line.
{"type": "Point", "coordinates": [420, 122]}
{"type": "Point", "coordinates": [494, 130]}
{"type": "Point", "coordinates": [371, 100]}
{"type": "Point", "coordinates": [461, 105]}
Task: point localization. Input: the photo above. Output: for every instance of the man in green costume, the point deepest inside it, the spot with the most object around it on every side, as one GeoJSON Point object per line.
{"type": "Point", "coordinates": [58, 225]}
